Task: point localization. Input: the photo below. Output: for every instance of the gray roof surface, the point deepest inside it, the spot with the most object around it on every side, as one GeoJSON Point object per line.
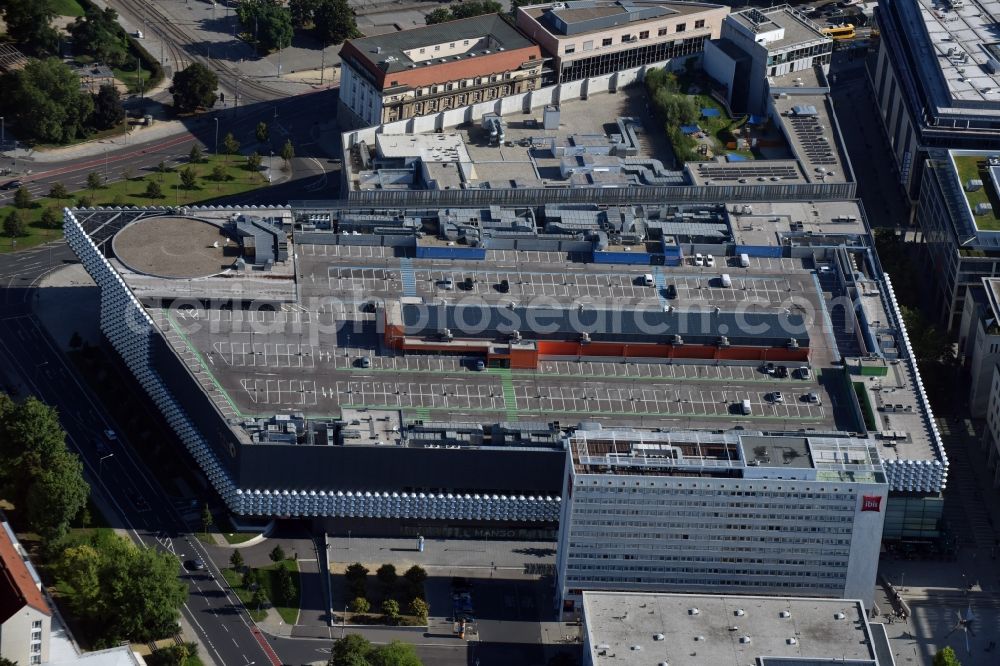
{"type": "Point", "coordinates": [393, 45]}
{"type": "Point", "coordinates": [618, 622]}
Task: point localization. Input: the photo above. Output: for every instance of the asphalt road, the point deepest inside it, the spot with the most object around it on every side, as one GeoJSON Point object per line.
{"type": "Point", "coordinates": [149, 515]}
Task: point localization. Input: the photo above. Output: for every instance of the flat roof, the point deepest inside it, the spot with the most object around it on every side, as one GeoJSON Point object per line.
{"type": "Point", "coordinates": [399, 51]}
{"type": "Point", "coordinates": [810, 127]}
{"type": "Point", "coordinates": [593, 16]}
{"type": "Point", "coordinates": [576, 153]}
{"type": "Point", "coordinates": [957, 42]}
{"type": "Point", "coordinates": [312, 341]}
{"type": "Point", "coordinates": [721, 630]}
{"type": "Point", "coordinates": [798, 29]}
{"type": "Point", "coordinates": [599, 450]}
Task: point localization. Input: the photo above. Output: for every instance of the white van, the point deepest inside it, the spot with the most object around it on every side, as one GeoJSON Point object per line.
{"type": "Point", "coordinates": [726, 280]}
{"type": "Point", "coordinates": [744, 260]}
{"type": "Point", "coordinates": [745, 407]}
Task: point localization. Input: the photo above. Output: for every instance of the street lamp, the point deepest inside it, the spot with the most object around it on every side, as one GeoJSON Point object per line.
{"type": "Point", "coordinates": [3, 134]}
{"type": "Point", "coordinates": [343, 622]}
{"type": "Point", "coordinates": [216, 136]}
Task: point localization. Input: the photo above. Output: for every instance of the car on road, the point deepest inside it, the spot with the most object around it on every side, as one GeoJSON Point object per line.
{"type": "Point", "coordinates": [504, 286]}
{"type": "Point", "coordinates": [811, 398]}
{"type": "Point", "coordinates": [699, 260]}
{"type": "Point", "coordinates": [804, 372]}
{"type": "Point", "coordinates": [776, 397]}
{"type": "Point", "coordinates": [671, 291]}
{"type": "Point", "coordinates": [709, 260]}
{"type": "Point", "coordinates": [781, 372]}
{"type": "Point", "coordinates": [446, 283]}
{"type": "Point", "coordinates": [110, 435]}
{"type": "Point", "coordinates": [480, 365]}
{"type": "Point", "coordinates": [196, 564]}
{"type": "Point", "coordinates": [767, 368]}
{"type": "Point", "coordinates": [364, 362]}
{"type": "Point", "coordinates": [12, 185]}
{"type": "Point", "coordinates": [102, 448]}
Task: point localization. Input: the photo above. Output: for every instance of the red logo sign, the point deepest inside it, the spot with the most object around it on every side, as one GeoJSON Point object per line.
{"type": "Point", "coordinates": [871, 503]}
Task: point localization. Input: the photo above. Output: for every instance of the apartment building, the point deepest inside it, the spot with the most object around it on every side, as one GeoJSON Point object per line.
{"type": "Point", "coordinates": [25, 616]}
{"type": "Point", "coordinates": [960, 228]}
{"type": "Point", "coordinates": [735, 512]}
{"type": "Point", "coordinates": [597, 37]}
{"type": "Point", "coordinates": [400, 75]}
{"type": "Point", "coordinates": [935, 81]}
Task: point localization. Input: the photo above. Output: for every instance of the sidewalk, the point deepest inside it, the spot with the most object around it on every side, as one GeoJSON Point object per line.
{"type": "Point", "coordinates": [160, 130]}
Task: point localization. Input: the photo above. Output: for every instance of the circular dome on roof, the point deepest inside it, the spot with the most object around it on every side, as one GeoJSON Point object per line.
{"type": "Point", "coordinates": [170, 246]}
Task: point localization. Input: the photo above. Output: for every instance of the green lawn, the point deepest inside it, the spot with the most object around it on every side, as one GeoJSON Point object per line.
{"type": "Point", "coordinates": [132, 193]}
{"type": "Point", "coordinates": [974, 167]}
{"type": "Point", "coordinates": [130, 77]}
{"type": "Point", "coordinates": [269, 580]}
{"type": "Point", "coordinates": [245, 596]}
{"type": "Point", "coordinates": [67, 8]}
{"type": "Point", "coordinates": [232, 536]}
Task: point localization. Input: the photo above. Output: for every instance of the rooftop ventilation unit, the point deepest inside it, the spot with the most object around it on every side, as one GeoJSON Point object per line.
{"type": "Point", "coordinates": [745, 640]}
{"type": "Point", "coordinates": [839, 616]}
{"type": "Point", "coordinates": [792, 641]}
{"type": "Point", "coordinates": [739, 612]}
{"type": "Point", "coordinates": [784, 614]}
{"type": "Point", "coordinates": [693, 611]}
{"type": "Point", "coordinates": [658, 637]}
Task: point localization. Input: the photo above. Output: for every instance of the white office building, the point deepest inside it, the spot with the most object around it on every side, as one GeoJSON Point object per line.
{"type": "Point", "coordinates": [737, 512]}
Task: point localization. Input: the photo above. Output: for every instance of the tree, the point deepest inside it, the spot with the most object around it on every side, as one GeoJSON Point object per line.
{"type": "Point", "coordinates": [79, 568]}
{"type": "Point", "coordinates": [14, 225]}
{"type": "Point", "coordinates": [386, 575]}
{"type": "Point", "coordinates": [355, 575]}
{"type": "Point", "coordinates": [219, 173]}
{"type": "Point", "coordinates": [236, 560]}
{"type": "Point", "coordinates": [359, 605]}
{"type": "Point", "coordinates": [45, 101]}
{"type": "Point", "coordinates": [250, 580]}
{"type": "Point", "coordinates": [230, 146]}
{"type": "Point", "coordinates": [195, 156]}
{"type": "Point", "coordinates": [139, 595]}
{"type": "Point", "coordinates": [334, 21]}
{"type": "Point", "coordinates": [419, 608]}
{"type": "Point", "coordinates": [303, 11]}
{"type": "Point", "coordinates": [415, 575]}
{"type": "Point", "coordinates": [351, 650]}
{"type": "Point", "coordinates": [85, 201]}
{"type": "Point", "coordinates": [94, 181]}
{"type": "Point", "coordinates": [189, 178]}
{"type": "Point", "coordinates": [394, 654]}
{"type": "Point", "coordinates": [108, 110]}
{"type": "Point", "coordinates": [261, 132]}
{"type": "Point", "coordinates": [193, 88]}
{"type": "Point", "coordinates": [439, 15]}
{"type": "Point", "coordinates": [259, 599]}
{"type": "Point", "coordinates": [285, 588]}
{"type": "Point", "coordinates": [464, 10]}
{"type": "Point", "coordinates": [153, 190]}
{"type": "Point", "coordinates": [22, 198]}
{"type": "Point", "coordinates": [28, 24]}
{"type": "Point", "coordinates": [277, 553]}
{"type": "Point", "coordinates": [390, 608]}
{"type": "Point", "coordinates": [254, 161]}
{"type": "Point", "coordinates": [98, 34]}
{"type": "Point", "coordinates": [58, 191]}
{"type": "Point", "coordinates": [268, 21]}
{"type": "Point", "coordinates": [946, 657]}
{"type": "Point", "coordinates": [287, 151]}
{"type": "Point", "coordinates": [50, 218]}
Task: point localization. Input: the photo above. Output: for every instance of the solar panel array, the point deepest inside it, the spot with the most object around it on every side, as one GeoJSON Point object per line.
{"type": "Point", "coordinates": [815, 145]}
{"type": "Point", "coordinates": [757, 170]}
